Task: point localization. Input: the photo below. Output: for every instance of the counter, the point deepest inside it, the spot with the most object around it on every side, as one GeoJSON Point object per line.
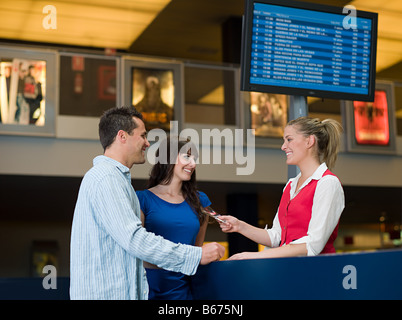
{"type": "Point", "coordinates": [364, 275]}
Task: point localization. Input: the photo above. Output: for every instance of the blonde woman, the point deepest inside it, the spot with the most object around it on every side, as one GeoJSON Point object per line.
{"type": "Point", "coordinates": [306, 223]}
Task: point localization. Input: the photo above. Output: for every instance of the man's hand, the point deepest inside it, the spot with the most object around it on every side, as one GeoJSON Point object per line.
{"type": "Point", "coordinates": [211, 252]}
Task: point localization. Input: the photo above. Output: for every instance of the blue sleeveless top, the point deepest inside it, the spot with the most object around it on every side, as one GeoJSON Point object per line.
{"type": "Point", "coordinates": [176, 222]}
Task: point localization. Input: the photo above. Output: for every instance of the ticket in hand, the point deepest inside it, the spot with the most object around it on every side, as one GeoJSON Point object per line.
{"type": "Point", "coordinates": [211, 212]}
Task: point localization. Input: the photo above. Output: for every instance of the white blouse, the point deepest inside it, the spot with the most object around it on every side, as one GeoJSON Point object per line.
{"type": "Point", "coordinates": [328, 204]}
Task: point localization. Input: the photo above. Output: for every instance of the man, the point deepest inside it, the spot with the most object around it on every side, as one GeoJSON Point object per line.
{"type": "Point", "coordinates": [108, 242]}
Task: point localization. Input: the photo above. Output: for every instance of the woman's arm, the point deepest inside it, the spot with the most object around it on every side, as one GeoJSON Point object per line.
{"type": "Point", "coordinates": [290, 250]}
{"type": "Point", "coordinates": [142, 218]}
{"type": "Point", "coordinates": [199, 241]}
{"type": "Point", "coordinates": [327, 208]}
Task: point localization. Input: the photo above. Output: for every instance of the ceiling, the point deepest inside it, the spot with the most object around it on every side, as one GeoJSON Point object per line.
{"type": "Point", "coordinates": [184, 29]}
{"type": "Point", "coordinates": [92, 23]}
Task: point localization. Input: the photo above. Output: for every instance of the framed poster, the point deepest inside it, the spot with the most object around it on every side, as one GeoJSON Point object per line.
{"type": "Point", "coordinates": [267, 115]}
{"type": "Point", "coordinates": [89, 85]}
{"type": "Point", "coordinates": [154, 88]}
{"type": "Point", "coordinates": [370, 126]}
{"type": "Point", "coordinates": [212, 104]}
{"type": "Point", "coordinates": [153, 95]}
{"type": "Point", "coordinates": [28, 90]}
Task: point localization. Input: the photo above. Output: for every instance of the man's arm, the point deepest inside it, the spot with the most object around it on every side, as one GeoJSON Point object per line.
{"type": "Point", "coordinates": [117, 216]}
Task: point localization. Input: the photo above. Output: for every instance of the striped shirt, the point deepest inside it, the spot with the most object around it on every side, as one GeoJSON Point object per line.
{"type": "Point", "coordinates": [108, 242]}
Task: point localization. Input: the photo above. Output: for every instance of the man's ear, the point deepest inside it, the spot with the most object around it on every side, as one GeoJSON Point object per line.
{"type": "Point", "coordinates": [121, 136]}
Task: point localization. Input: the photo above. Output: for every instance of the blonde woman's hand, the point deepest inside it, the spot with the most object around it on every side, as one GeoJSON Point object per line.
{"type": "Point", "coordinates": [231, 224]}
{"type": "Point", "coordinates": [245, 256]}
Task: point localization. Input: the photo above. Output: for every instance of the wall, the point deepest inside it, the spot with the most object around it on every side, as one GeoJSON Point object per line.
{"type": "Point", "coordinates": [72, 158]}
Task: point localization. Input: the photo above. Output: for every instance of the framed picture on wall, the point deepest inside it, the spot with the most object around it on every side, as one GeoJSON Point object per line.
{"type": "Point", "coordinates": [267, 115]}
{"type": "Point", "coordinates": [154, 88]}
{"type": "Point", "coordinates": [212, 105]}
{"type": "Point", "coordinates": [89, 85]}
{"type": "Point", "coordinates": [370, 126]}
{"type": "Point", "coordinates": [153, 95]}
{"type": "Point", "coordinates": [28, 90]}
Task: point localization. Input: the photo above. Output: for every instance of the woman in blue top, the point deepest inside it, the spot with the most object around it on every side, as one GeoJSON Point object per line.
{"type": "Point", "coordinates": [173, 208]}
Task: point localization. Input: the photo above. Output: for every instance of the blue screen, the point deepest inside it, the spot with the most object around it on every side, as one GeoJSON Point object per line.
{"type": "Point", "coordinates": [307, 49]}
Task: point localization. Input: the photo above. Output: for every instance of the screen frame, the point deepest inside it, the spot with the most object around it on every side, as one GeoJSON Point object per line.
{"type": "Point", "coordinates": [352, 145]}
{"type": "Point", "coordinates": [246, 53]}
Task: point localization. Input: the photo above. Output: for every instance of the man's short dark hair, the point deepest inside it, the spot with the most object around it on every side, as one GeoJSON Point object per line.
{"type": "Point", "coordinates": [114, 120]}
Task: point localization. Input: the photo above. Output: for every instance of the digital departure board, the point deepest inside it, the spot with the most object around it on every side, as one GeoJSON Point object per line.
{"type": "Point", "coordinates": [307, 49]}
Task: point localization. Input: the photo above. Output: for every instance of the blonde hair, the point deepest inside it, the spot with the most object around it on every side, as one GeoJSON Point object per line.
{"type": "Point", "coordinates": [328, 136]}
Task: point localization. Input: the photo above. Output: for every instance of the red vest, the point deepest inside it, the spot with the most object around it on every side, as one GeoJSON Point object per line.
{"type": "Point", "coordinates": [295, 215]}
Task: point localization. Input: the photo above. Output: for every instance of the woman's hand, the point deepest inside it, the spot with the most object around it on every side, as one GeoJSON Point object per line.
{"type": "Point", "coordinates": [231, 224]}
{"type": "Point", "coordinates": [256, 234]}
{"type": "Point", "coordinates": [245, 256]}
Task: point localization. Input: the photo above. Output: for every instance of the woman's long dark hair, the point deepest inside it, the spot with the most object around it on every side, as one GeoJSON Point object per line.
{"type": "Point", "coordinates": [162, 171]}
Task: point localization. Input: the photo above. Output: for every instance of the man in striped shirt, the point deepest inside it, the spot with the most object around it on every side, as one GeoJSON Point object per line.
{"type": "Point", "coordinates": [108, 242]}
